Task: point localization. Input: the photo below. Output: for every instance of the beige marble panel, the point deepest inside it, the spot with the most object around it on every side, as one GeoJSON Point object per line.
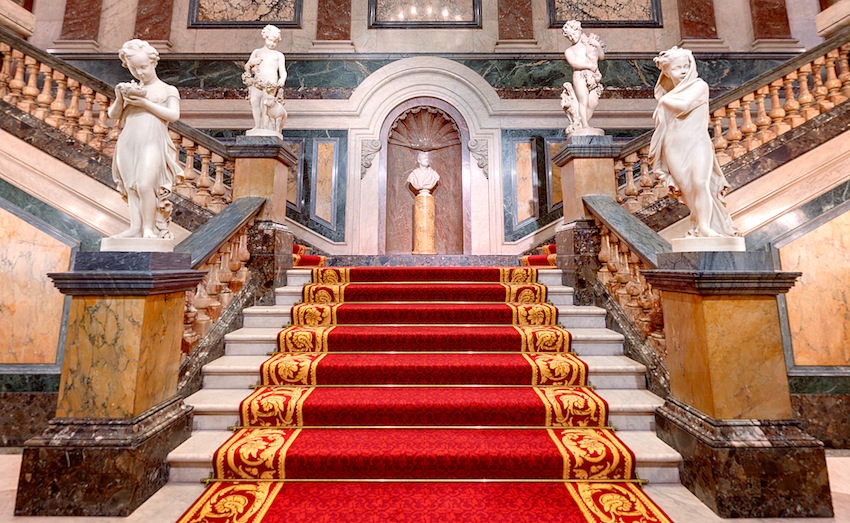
{"type": "Point", "coordinates": [725, 355]}
{"type": "Point", "coordinates": [583, 176]}
{"type": "Point", "coordinates": [122, 355]}
{"type": "Point", "coordinates": [264, 178]}
{"type": "Point", "coordinates": [818, 310]}
{"type": "Point", "coordinates": [30, 306]}
{"type": "Point", "coordinates": [325, 165]}
{"type": "Point", "coordinates": [294, 174]}
{"type": "Point", "coordinates": [524, 181]}
{"type": "Point", "coordinates": [555, 178]}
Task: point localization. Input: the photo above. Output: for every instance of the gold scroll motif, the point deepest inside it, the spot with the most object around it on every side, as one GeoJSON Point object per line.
{"type": "Point", "coordinates": [314, 315]}
{"type": "Point", "coordinates": [291, 369]}
{"type": "Point", "coordinates": [299, 339]}
{"type": "Point", "coordinates": [254, 454]}
{"type": "Point", "coordinates": [331, 275]}
{"type": "Point", "coordinates": [275, 407]}
{"type": "Point", "coordinates": [615, 503]}
{"type": "Point", "coordinates": [324, 293]}
{"type": "Point", "coordinates": [593, 454]}
{"type": "Point", "coordinates": [525, 293]}
{"type": "Point", "coordinates": [233, 502]}
{"type": "Point", "coordinates": [517, 275]}
{"type": "Point", "coordinates": [573, 407]}
{"type": "Point", "coordinates": [533, 313]}
{"type": "Point", "coordinates": [543, 339]}
{"type": "Point", "coordinates": [558, 370]}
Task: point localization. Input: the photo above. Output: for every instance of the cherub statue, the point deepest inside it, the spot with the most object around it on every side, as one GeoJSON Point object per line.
{"type": "Point", "coordinates": [144, 163]}
{"type": "Point", "coordinates": [265, 74]}
{"type": "Point", "coordinates": [424, 178]}
{"type": "Point", "coordinates": [583, 55]}
{"type": "Point", "coordinates": [569, 104]}
{"type": "Point", "coordinates": [681, 150]}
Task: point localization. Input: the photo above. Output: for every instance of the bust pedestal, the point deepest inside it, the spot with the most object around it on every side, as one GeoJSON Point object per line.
{"type": "Point", "coordinates": [118, 413]}
{"type": "Point", "coordinates": [424, 229]}
{"type": "Point", "coordinates": [729, 411]}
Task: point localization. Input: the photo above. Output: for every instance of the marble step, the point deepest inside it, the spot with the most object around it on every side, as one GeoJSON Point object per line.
{"type": "Point", "coordinates": [589, 341]}
{"type": "Point", "coordinates": [301, 277]}
{"type": "Point", "coordinates": [656, 462]}
{"type": "Point", "coordinates": [218, 409]}
{"type": "Point", "coordinates": [605, 372]}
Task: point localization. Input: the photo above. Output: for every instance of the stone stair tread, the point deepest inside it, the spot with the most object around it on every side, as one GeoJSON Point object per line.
{"type": "Point", "coordinates": [199, 448]}
{"type": "Point", "coordinates": [630, 400]}
{"type": "Point", "coordinates": [253, 334]}
{"type": "Point", "coordinates": [235, 364]}
{"type": "Point", "coordinates": [613, 364]}
{"type": "Point", "coordinates": [580, 310]}
{"type": "Point", "coordinates": [594, 334]}
{"type": "Point", "coordinates": [648, 448]}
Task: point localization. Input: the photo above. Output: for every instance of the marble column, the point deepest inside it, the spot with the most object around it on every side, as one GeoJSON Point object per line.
{"type": "Point", "coordinates": [118, 414]}
{"type": "Point", "coordinates": [333, 26]}
{"type": "Point", "coordinates": [80, 27]}
{"type": "Point", "coordinates": [424, 231]}
{"type": "Point", "coordinates": [153, 23]}
{"type": "Point", "coordinates": [729, 410]}
{"type": "Point", "coordinates": [516, 27]}
{"type": "Point", "coordinates": [771, 29]}
{"type": "Point", "coordinates": [262, 170]}
{"type": "Point", "coordinates": [698, 26]}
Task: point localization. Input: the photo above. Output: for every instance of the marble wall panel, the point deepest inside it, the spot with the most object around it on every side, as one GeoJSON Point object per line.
{"type": "Point", "coordinates": [437, 11]}
{"type": "Point", "coordinates": [770, 19]}
{"type": "Point", "coordinates": [153, 19]}
{"type": "Point", "coordinates": [294, 185]}
{"type": "Point", "coordinates": [525, 177]}
{"type": "Point", "coordinates": [259, 12]}
{"type": "Point", "coordinates": [697, 20]}
{"type": "Point", "coordinates": [819, 305]}
{"type": "Point", "coordinates": [596, 12]}
{"type": "Point", "coordinates": [555, 191]}
{"type": "Point", "coordinates": [323, 179]}
{"type": "Point", "coordinates": [82, 20]}
{"type": "Point", "coordinates": [515, 21]}
{"type": "Point", "coordinates": [31, 308]}
{"type": "Point", "coordinates": [334, 20]}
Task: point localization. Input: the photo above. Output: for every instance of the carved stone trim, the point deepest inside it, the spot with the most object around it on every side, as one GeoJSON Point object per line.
{"type": "Point", "coordinates": [479, 150]}
{"type": "Point", "coordinates": [368, 150]}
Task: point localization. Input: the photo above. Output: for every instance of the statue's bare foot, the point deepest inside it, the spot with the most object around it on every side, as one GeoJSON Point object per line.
{"type": "Point", "coordinates": [149, 234]}
{"type": "Point", "coordinates": [708, 232]}
{"type": "Point", "coordinates": [129, 233]}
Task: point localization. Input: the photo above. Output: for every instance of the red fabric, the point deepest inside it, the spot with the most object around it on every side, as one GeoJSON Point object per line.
{"type": "Point", "coordinates": [539, 260]}
{"type": "Point", "coordinates": [425, 274]}
{"type": "Point", "coordinates": [308, 260]}
{"type": "Point", "coordinates": [457, 292]}
{"type": "Point", "coordinates": [299, 249]}
{"type": "Point", "coordinates": [385, 502]}
{"type": "Point", "coordinates": [419, 406]}
{"type": "Point", "coordinates": [549, 249]}
{"type": "Point", "coordinates": [433, 313]}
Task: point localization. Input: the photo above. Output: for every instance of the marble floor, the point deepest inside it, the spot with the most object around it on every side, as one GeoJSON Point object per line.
{"type": "Point", "coordinates": [170, 502]}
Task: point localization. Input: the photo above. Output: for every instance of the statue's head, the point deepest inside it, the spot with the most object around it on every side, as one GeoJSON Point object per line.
{"type": "Point", "coordinates": [135, 47]}
{"type": "Point", "coordinates": [423, 159]}
{"type": "Point", "coordinates": [676, 63]}
{"type": "Point", "coordinates": [271, 32]}
{"type": "Point", "coordinates": [572, 30]}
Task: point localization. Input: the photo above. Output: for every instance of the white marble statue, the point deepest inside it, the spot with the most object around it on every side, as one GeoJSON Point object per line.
{"type": "Point", "coordinates": [144, 164]}
{"type": "Point", "coordinates": [265, 74]}
{"type": "Point", "coordinates": [581, 98]}
{"type": "Point", "coordinates": [681, 150]}
{"type": "Point", "coordinates": [424, 177]}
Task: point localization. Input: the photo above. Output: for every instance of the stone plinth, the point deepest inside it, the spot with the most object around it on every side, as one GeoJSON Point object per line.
{"type": "Point", "coordinates": [729, 411]}
{"type": "Point", "coordinates": [587, 167]}
{"type": "Point", "coordinates": [424, 231]}
{"type": "Point", "coordinates": [262, 169]}
{"type": "Point", "coordinates": [118, 414]}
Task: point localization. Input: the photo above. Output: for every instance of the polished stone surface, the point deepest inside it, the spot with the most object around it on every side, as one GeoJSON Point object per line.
{"type": "Point", "coordinates": [411, 260]}
{"type": "Point", "coordinates": [716, 261]}
{"type": "Point", "coordinates": [153, 20]}
{"type": "Point", "coordinates": [515, 20]}
{"type": "Point", "coordinates": [642, 240]}
{"type": "Point", "coordinates": [770, 19]}
{"type": "Point", "coordinates": [24, 415]}
{"type": "Point", "coordinates": [824, 416]}
{"type": "Point", "coordinates": [697, 20]}
{"type": "Point", "coordinates": [82, 20]}
{"type": "Point", "coordinates": [333, 20]}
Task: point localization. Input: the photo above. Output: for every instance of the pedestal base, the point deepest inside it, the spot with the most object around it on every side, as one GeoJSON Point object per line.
{"type": "Point", "coordinates": [100, 467]}
{"type": "Point", "coordinates": [709, 244]}
{"type": "Point", "coordinates": [261, 132]}
{"type": "Point", "coordinates": [747, 468]}
{"type": "Point", "coordinates": [111, 244]}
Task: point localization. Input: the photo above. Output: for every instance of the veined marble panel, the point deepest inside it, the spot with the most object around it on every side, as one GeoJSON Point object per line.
{"type": "Point", "coordinates": [819, 305]}
{"type": "Point", "coordinates": [294, 186]}
{"type": "Point", "coordinates": [589, 11]}
{"type": "Point", "coordinates": [445, 11]}
{"type": "Point", "coordinates": [205, 11]}
{"type": "Point", "coordinates": [31, 307]}
{"type": "Point", "coordinates": [324, 178]}
{"type": "Point", "coordinates": [525, 175]}
{"type": "Point", "coordinates": [553, 177]}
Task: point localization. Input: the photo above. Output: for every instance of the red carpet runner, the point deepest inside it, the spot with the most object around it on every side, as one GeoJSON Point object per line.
{"type": "Point", "coordinates": [424, 394]}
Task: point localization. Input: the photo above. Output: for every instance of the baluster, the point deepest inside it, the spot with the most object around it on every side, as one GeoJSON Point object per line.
{"type": "Point", "coordinates": [213, 289]}
{"type": "Point", "coordinates": [833, 84]}
{"type": "Point", "coordinates": [762, 119]}
{"type": "Point", "coordinates": [777, 113]}
{"type": "Point", "coordinates": [190, 317]}
{"type": "Point", "coordinates": [623, 275]}
{"type": "Point", "coordinates": [719, 141]}
{"type": "Point", "coordinates": [202, 304]}
{"type": "Point", "coordinates": [646, 181]}
{"type": "Point", "coordinates": [733, 135]}
{"type": "Point", "coordinates": [748, 128]}
{"type": "Point", "coordinates": [101, 128]}
{"type": "Point", "coordinates": [218, 191]}
{"type": "Point", "coordinates": [630, 202]}
{"type": "Point", "coordinates": [16, 84]}
{"type": "Point", "coordinates": [235, 264]}
{"type": "Point", "coordinates": [45, 98]}
{"type": "Point", "coordinates": [845, 69]}
{"type": "Point", "coordinates": [203, 183]}
{"type": "Point", "coordinates": [225, 276]}
{"type": "Point", "coordinates": [87, 121]}
{"type": "Point", "coordinates": [72, 113]}
{"type": "Point", "coordinates": [176, 140]}
{"type": "Point", "coordinates": [806, 98]}
{"type": "Point", "coordinates": [244, 254]}
{"type": "Point", "coordinates": [792, 107]}
{"type": "Point", "coordinates": [618, 167]}
{"type": "Point", "coordinates": [56, 118]}
{"type": "Point", "coordinates": [5, 69]}
{"type": "Point", "coordinates": [30, 90]}
{"type": "Point", "coordinates": [633, 288]}
{"type": "Point", "coordinates": [604, 256]}
{"type": "Point", "coordinates": [818, 89]}
{"type": "Point", "coordinates": [613, 264]}
{"type": "Point", "coordinates": [186, 182]}
{"type": "Point", "coordinates": [112, 135]}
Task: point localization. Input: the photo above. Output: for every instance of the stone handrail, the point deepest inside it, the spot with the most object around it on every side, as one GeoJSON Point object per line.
{"type": "Point", "coordinates": [753, 114]}
{"type": "Point", "coordinates": [73, 101]}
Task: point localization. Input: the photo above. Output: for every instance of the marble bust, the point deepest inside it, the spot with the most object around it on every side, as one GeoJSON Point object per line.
{"type": "Point", "coordinates": [580, 98]}
{"type": "Point", "coordinates": [424, 178]}
{"type": "Point", "coordinates": [144, 163]}
{"type": "Point", "coordinates": [265, 75]}
{"type": "Point", "coordinates": [681, 151]}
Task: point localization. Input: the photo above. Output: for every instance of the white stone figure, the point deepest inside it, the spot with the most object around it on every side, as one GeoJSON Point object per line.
{"type": "Point", "coordinates": [265, 74]}
{"type": "Point", "coordinates": [423, 178]}
{"type": "Point", "coordinates": [681, 151]}
{"type": "Point", "coordinates": [144, 163]}
{"type": "Point", "coordinates": [569, 104]}
{"type": "Point", "coordinates": [583, 55]}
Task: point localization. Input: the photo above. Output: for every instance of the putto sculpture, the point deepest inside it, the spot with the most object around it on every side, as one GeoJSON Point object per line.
{"type": "Point", "coordinates": [144, 163]}
{"type": "Point", "coordinates": [681, 151]}
{"type": "Point", "coordinates": [580, 98]}
{"type": "Point", "coordinates": [265, 75]}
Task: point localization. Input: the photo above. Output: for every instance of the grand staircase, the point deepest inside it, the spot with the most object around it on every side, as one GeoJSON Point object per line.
{"type": "Point", "coordinates": [422, 380]}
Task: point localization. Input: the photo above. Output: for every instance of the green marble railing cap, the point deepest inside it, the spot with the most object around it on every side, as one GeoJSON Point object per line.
{"type": "Point", "coordinates": [643, 241]}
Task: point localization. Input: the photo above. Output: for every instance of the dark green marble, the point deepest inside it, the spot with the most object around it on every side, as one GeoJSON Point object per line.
{"type": "Point", "coordinates": [819, 384]}
{"type": "Point", "coordinates": [29, 382]}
